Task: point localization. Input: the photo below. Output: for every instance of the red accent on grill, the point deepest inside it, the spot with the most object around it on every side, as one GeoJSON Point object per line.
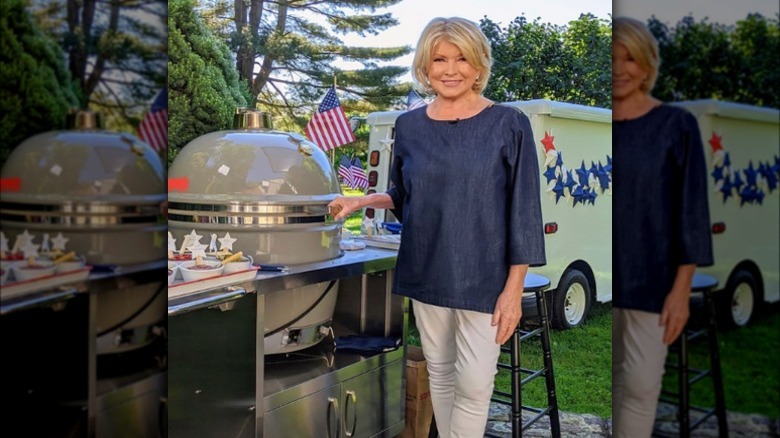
{"type": "Point", "coordinates": [13, 184]}
{"type": "Point", "coordinates": [550, 228]}
{"type": "Point", "coordinates": [718, 227]}
{"type": "Point", "coordinates": [178, 184]}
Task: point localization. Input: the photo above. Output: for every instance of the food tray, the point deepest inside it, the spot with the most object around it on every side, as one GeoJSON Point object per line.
{"type": "Point", "coordinates": [18, 288]}
{"type": "Point", "coordinates": [386, 241]}
{"type": "Point", "coordinates": [181, 288]}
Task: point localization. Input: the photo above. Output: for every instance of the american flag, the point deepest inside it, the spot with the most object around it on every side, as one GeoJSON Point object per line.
{"type": "Point", "coordinates": [345, 171]}
{"type": "Point", "coordinates": [154, 127]}
{"type": "Point", "coordinates": [329, 127]}
{"type": "Point", "coordinates": [414, 101]}
{"type": "Point", "coordinates": [358, 174]}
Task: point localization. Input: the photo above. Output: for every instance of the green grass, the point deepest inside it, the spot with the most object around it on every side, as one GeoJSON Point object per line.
{"type": "Point", "coordinates": [582, 362]}
{"type": "Point", "coordinates": [355, 220]}
{"type": "Point", "coordinates": [749, 360]}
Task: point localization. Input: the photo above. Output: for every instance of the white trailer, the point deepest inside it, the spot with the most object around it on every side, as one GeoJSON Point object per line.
{"type": "Point", "coordinates": [742, 150]}
{"type": "Point", "coordinates": [574, 146]}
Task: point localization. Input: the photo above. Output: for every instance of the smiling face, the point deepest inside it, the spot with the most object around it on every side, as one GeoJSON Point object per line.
{"type": "Point", "coordinates": [450, 75]}
{"type": "Point", "coordinates": [627, 74]}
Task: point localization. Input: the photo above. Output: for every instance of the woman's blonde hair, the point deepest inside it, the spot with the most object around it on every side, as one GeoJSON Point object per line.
{"type": "Point", "coordinates": [640, 44]}
{"type": "Point", "coordinates": [466, 35]}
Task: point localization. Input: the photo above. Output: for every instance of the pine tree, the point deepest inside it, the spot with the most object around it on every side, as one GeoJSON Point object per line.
{"type": "Point", "coordinates": [37, 89]}
{"type": "Point", "coordinates": [204, 89]}
{"type": "Point", "coordinates": [286, 50]}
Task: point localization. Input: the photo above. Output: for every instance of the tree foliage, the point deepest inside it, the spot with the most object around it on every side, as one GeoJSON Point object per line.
{"type": "Point", "coordinates": [703, 60]}
{"type": "Point", "coordinates": [116, 52]}
{"type": "Point", "coordinates": [204, 89]}
{"type": "Point", "coordinates": [534, 60]}
{"type": "Point", "coordinates": [286, 50]}
{"type": "Point", "coordinates": [37, 89]}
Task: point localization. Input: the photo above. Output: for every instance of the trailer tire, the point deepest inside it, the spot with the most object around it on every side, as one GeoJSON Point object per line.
{"type": "Point", "coordinates": [739, 299]}
{"type": "Point", "coordinates": [571, 300]}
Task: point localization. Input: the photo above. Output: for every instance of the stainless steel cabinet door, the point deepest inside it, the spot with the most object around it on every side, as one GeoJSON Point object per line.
{"type": "Point", "coordinates": [373, 401]}
{"type": "Point", "coordinates": [318, 415]}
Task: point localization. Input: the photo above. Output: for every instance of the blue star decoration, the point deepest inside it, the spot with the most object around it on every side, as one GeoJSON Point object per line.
{"type": "Point", "coordinates": [751, 190]}
{"type": "Point", "coordinates": [569, 181]}
{"type": "Point", "coordinates": [549, 174]}
{"type": "Point", "coordinates": [579, 190]}
{"type": "Point", "coordinates": [582, 173]}
{"type": "Point", "coordinates": [769, 176]}
{"type": "Point", "coordinates": [726, 189]}
{"type": "Point", "coordinates": [558, 189]}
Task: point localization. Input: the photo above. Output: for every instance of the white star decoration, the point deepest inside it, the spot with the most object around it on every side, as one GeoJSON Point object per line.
{"type": "Point", "coordinates": [226, 243]}
{"type": "Point", "coordinates": [386, 144]}
{"type": "Point", "coordinates": [171, 242]}
{"type": "Point", "coordinates": [30, 250]}
{"type": "Point", "coordinates": [193, 237]}
{"type": "Point", "coordinates": [368, 226]}
{"type": "Point", "coordinates": [3, 242]}
{"type": "Point", "coordinates": [45, 244]}
{"type": "Point", "coordinates": [550, 158]}
{"type": "Point", "coordinates": [21, 240]}
{"type": "Point", "coordinates": [213, 243]}
{"type": "Point", "coordinates": [198, 250]}
{"type": "Point", "coordinates": [59, 242]}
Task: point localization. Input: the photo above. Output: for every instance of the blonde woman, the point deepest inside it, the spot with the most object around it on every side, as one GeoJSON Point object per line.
{"type": "Point", "coordinates": [661, 226]}
{"type": "Point", "coordinates": [466, 187]}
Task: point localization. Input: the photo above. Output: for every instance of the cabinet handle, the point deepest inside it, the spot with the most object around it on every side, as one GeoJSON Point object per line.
{"type": "Point", "coordinates": [350, 396]}
{"type": "Point", "coordinates": [333, 408]}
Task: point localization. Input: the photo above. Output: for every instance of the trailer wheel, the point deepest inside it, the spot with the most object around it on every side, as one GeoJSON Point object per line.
{"type": "Point", "coordinates": [738, 303]}
{"type": "Point", "coordinates": [571, 300]}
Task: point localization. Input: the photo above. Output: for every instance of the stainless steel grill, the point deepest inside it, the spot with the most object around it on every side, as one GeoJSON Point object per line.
{"type": "Point", "coordinates": [270, 190]}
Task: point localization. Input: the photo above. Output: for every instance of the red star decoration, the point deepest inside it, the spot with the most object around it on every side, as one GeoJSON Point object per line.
{"type": "Point", "coordinates": [715, 142]}
{"type": "Point", "coordinates": [547, 141]}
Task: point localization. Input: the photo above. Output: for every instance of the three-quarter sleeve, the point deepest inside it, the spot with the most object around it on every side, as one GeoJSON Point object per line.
{"type": "Point", "coordinates": [397, 191]}
{"type": "Point", "coordinates": [694, 239]}
{"type": "Point", "coordinates": [526, 236]}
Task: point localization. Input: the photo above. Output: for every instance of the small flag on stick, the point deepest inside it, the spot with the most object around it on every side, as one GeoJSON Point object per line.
{"type": "Point", "coordinates": [154, 127]}
{"type": "Point", "coordinates": [329, 127]}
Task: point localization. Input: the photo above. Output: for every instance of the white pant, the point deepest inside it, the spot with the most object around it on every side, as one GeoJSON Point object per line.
{"type": "Point", "coordinates": [638, 357]}
{"type": "Point", "coordinates": [460, 349]}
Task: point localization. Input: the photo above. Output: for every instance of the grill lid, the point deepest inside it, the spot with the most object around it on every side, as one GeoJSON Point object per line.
{"type": "Point", "coordinates": [84, 164]}
{"type": "Point", "coordinates": [252, 163]}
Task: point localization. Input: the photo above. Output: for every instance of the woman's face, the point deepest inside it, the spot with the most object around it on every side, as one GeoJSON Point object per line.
{"type": "Point", "coordinates": [449, 73]}
{"type": "Point", "coordinates": [627, 75]}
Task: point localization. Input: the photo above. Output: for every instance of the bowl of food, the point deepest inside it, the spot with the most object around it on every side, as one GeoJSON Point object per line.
{"type": "Point", "coordinates": [9, 260]}
{"type": "Point", "coordinates": [236, 263]}
{"type": "Point", "coordinates": [179, 257]}
{"type": "Point", "coordinates": [69, 262]}
{"type": "Point", "coordinates": [35, 270]}
{"type": "Point", "coordinates": [195, 270]}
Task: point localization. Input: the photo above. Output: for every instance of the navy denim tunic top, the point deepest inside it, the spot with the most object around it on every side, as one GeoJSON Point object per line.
{"type": "Point", "coordinates": [661, 216]}
{"type": "Point", "coordinates": [467, 193]}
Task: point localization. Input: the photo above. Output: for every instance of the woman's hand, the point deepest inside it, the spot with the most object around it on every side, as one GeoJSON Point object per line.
{"type": "Point", "coordinates": [676, 310]}
{"type": "Point", "coordinates": [675, 314]}
{"type": "Point", "coordinates": [343, 206]}
{"type": "Point", "coordinates": [509, 309]}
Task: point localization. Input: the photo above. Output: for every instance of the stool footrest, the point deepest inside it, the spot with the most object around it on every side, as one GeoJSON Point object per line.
{"type": "Point", "coordinates": [539, 414]}
{"type": "Point", "coordinates": [534, 375]}
{"type": "Point", "coordinates": [707, 414]}
{"type": "Point", "coordinates": [525, 335]}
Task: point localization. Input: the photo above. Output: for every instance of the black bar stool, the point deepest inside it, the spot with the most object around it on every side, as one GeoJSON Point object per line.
{"type": "Point", "coordinates": [704, 284]}
{"type": "Point", "coordinates": [533, 310]}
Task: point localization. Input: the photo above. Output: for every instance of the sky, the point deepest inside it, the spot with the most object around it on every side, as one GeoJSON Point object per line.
{"type": "Point", "coordinates": [413, 15]}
